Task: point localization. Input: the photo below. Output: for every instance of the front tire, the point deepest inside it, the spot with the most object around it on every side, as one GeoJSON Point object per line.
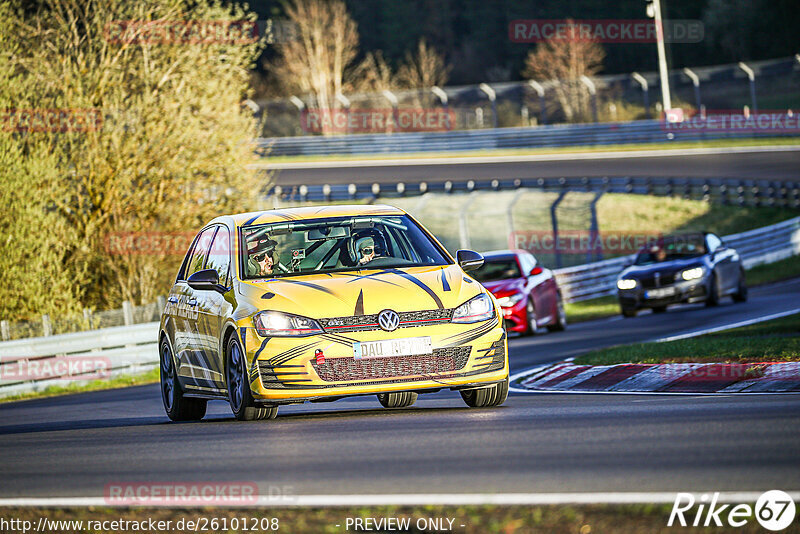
{"type": "Point", "coordinates": [561, 317]}
{"type": "Point", "coordinates": [659, 309]}
{"type": "Point", "coordinates": [178, 407]}
{"type": "Point", "coordinates": [530, 318]}
{"type": "Point", "coordinates": [400, 399]}
{"type": "Point", "coordinates": [713, 292]}
{"type": "Point", "coordinates": [485, 397]}
{"type": "Point", "coordinates": [628, 312]}
{"type": "Point", "coordinates": [240, 397]}
{"type": "Point", "coordinates": [741, 292]}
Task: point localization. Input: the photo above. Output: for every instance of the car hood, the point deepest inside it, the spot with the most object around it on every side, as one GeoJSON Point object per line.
{"type": "Point", "coordinates": [362, 292]}
{"type": "Point", "coordinates": [665, 268]}
{"type": "Point", "coordinates": [501, 288]}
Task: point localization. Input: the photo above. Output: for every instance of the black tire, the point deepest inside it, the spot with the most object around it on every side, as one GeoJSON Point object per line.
{"type": "Point", "coordinates": [713, 292]}
{"type": "Point", "coordinates": [628, 312]}
{"type": "Point", "coordinates": [240, 397]}
{"type": "Point", "coordinates": [741, 292]}
{"type": "Point", "coordinates": [659, 309]}
{"type": "Point", "coordinates": [399, 399]}
{"type": "Point", "coordinates": [561, 317]}
{"type": "Point", "coordinates": [530, 319]}
{"type": "Point", "coordinates": [178, 407]}
{"type": "Point", "coordinates": [485, 397]}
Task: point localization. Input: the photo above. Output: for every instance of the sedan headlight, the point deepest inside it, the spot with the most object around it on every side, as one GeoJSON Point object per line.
{"type": "Point", "coordinates": [274, 323]}
{"type": "Point", "coordinates": [477, 309]}
{"type": "Point", "coordinates": [510, 300]}
{"type": "Point", "coordinates": [693, 274]}
{"type": "Point", "coordinates": [626, 283]}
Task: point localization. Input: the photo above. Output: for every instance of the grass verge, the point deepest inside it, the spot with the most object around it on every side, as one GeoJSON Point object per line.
{"type": "Point", "coordinates": [716, 143]}
{"type": "Point", "coordinates": [771, 341]}
{"type": "Point", "coordinates": [96, 385]}
{"type": "Point", "coordinates": [583, 519]}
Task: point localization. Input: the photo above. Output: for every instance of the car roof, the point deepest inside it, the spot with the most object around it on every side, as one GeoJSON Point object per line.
{"type": "Point", "coordinates": [502, 254]}
{"type": "Point", "coordinates": [311, 212]}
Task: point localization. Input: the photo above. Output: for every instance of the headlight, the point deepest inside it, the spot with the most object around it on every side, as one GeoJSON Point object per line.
{"type": "Point", "coordinates": [510, 300]}
{"type": "Point", "coordinates": [693, 274]}
{"type": "Point", "coordinates": [273, 323]}
{"type": "Point", "coordinates": [477, 309]}
{"type": "Point", "coordinates": [626, 283]}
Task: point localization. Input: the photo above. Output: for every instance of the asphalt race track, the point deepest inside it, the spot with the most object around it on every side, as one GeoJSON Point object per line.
{"type": "Point", "coordinates": [73, 446]}
{"type": "Point", "coordinates": [779, 165]}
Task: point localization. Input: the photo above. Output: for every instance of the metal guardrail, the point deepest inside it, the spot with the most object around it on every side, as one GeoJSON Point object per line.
{"type": "Point", "coordinates": [734, 191]}
{"type": "Point", "coordinates": [644, 131]}
{"type": "Point", "coordinates": [34, 364]}
{"type": "Point", "coordinates": [130, 349]}
{"type": "Point", "coordinates": [763, 245]}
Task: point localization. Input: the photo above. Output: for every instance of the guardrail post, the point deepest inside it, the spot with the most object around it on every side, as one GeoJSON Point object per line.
{"type": "Point", "coordinates": [47, 326]}
{"type": "Point", "coordinates": [510, 218]}
{"type": "Point", "coordinates": [752, 77]}
{"type": "Point", "coordinates": [539, 88]}
{"type": "Point", "coordinates": [463, 229]}
{"type": "Point", "coordinates": [594, 230]}
{"type": "Point", "coordinates": [6, 330]}
{"type": "Point", "coordinates": [127, 312]}
{"type": "Point", "coordinates": [554, 222]}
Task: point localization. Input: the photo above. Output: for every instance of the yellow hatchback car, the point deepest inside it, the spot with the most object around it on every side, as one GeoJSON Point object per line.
{"type": "Point", "coordinates": [319, 303]}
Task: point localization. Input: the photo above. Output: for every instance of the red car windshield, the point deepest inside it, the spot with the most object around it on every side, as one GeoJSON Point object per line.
{"type": "Point", "coordinates": [497, 269]}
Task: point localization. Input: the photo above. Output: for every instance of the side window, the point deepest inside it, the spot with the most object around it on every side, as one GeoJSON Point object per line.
{"type": "Point", "coordinates": [219, 258]}
{"type": "Point", "coordinates": [526, 263]}
{"type": "Point", "coordinates": [199, 252]}
{"type": "Point", "coordinates": [713, 242]}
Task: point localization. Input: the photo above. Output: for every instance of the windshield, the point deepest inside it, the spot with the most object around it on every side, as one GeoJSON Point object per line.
{"type": "Point", "coordinates": [673, 248]}
{"type": "Point", "coordinates": [336, 244]}
{"type": "Point", "coordinates": [497, 269]}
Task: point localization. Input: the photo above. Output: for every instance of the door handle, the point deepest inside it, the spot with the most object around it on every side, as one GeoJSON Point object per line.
{"type": "Point", "coordinates": [192, 302]}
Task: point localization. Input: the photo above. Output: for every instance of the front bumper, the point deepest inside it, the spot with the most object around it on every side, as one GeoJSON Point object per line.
{"type": "Point", "coordinates": [691, 291]}
{"type": "Point", "coordinates": [516, 317]}
{"type": "Point", "coordinates": [285, 370]}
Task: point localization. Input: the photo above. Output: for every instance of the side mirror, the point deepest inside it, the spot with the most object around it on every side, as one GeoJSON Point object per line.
{"type": "Point", "coordinates": [536, 270]}
{"type": "Point", "coordinates": [469, 260]}
{"type": "Point", "coordinates": [205, 280]}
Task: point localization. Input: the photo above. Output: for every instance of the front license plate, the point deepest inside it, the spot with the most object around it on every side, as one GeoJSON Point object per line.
{"type": "Point", "coordinates": [409, 346]}
{"type": "Point", "coordinates": [659, 293]}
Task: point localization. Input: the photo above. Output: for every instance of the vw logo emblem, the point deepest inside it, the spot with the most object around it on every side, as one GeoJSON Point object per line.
{"type": "Point", "coordinates": [388, 320]}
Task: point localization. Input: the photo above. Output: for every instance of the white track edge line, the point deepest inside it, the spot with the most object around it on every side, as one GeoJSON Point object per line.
{"type": "Point", "coordinates": [729, 326]}
{"type": "Point", "coordinates": [446, 499]}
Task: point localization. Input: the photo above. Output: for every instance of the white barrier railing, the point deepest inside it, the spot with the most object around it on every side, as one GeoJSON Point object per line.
{"type": "Point", "coordinates": [33, 364]}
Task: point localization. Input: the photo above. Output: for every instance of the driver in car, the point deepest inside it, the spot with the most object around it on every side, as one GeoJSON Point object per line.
{"type": "Point", "coordinates": [260, 261]}
{"type": "Point", "coordinates": [367, 250]}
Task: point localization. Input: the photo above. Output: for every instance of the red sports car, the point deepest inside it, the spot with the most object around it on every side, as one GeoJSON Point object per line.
{"type": "Point", "coordinates": [527, 292]}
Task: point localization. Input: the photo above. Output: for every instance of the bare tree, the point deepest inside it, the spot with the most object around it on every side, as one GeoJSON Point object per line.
{"type": "Point", "coordinates": [325, 48]}
{"type": "Point", "coordinates": [565, 60]}
{"type": "Point", "coordinates": [423, 69]}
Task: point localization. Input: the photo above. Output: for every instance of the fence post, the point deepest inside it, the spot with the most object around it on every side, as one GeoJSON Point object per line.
{"type": "Point", "coordinates": [510, 218]}
{"type": "Point", "coordinates": [752, 77]}
{"type": "Point", "coordinates": [594, 230]}
{"type": "Point", "coordinates": [696, 83]}
{"type": "Point", "coordinates": [536, 86]}
{"type": "Point", "coordinates": [47, 326]}
{"type": "Point", "coordinates": [87, 318]}
{"type": "Point", "coordinates": [642, 81]}
{"type": "Point", "coordinates": [554, 221]}
{"type": "Point", "coordinates": [127, 312]}
{"type": "Point", "coordinates": [493, 99]}
{"type": "Point", "coordinates": [6, 330]}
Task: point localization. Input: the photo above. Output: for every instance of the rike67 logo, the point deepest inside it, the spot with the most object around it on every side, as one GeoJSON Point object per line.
{"type": "Point", "coordinates": [774, 510]}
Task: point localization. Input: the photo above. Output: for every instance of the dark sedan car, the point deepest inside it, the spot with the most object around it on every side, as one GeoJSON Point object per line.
{"type": "Point", "coordinates": [527, 292]}
{"type": "Point", "coordinates": [681, 268]}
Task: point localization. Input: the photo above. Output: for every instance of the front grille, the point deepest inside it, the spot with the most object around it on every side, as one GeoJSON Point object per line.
{"type": "Point", "coordinates": [361, 323]}
{"type": "Point", "coordinates": [665, 280]}
{"type": "Point", "coordinates": [346, 369]}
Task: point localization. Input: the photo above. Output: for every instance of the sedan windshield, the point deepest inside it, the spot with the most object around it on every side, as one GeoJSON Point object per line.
{"type": "Point", "coordinates": [336, 244]}
{"type": "Point", "coordinates": [497, 269]}
{"type": "Point", "coordinates": [673, 248]}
